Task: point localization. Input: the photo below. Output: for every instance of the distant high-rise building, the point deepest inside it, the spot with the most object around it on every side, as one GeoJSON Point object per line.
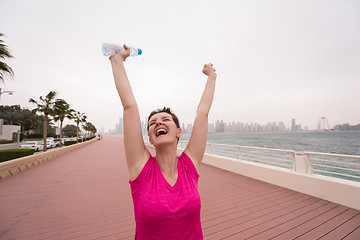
{"type": "Point", "coordinates": [282, 126]}
{"type": "Point", "coordinates": [189, 128]}
{"type": "Point", "coordinates": [220, 126]}
{"type": "Point", "coordinates": [121, 127]}
{"type": "Point", "coordinates": [211, 128]}
{"type": "Point", "coordinates": [144, 127]}
{"type": "Point", "coordinates": [293, 125]}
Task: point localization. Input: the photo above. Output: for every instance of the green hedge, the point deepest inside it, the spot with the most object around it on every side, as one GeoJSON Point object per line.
{"type": "Point", "coordinates": [9, 154]}
{"type": "Point", "coordinates": [67, 143]}
{"type": "Point", "coordinates": [6, 141]}
{"type": "Point", "coordinates": [85, 139]}
{"type": "Point", "coordinates": [92, 137]}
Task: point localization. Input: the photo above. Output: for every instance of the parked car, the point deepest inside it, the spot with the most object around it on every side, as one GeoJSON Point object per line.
{"type": "Point", "coordinates": [50, 143]}
{"type": "Point", "coordinates": [57, 141]}
{"type": "Point", "coordinates": [36, 145]}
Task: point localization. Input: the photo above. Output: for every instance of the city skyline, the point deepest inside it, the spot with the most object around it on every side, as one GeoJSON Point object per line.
{"type": "Point", "coordinates": [221, 126]}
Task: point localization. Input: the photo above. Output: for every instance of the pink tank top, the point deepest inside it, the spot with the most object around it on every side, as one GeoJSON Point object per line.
{"type": "Point", "coordinates": [163, 211]}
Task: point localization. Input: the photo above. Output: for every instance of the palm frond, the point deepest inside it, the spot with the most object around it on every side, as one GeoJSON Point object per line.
{"type": "Point", "coordinates": [51, 95]}
{"type": "Point", "coordinates": [5, 53]}
{"type": "Point", "coordinates": [5, 69]}
{"type": "Point", "coordinates": [31, 100]}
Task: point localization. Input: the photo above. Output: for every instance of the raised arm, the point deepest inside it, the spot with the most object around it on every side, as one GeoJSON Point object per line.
{"type": "Point", "coordinates": [197, 143]}
{"type": "Point", "coordinates": [135, 150]}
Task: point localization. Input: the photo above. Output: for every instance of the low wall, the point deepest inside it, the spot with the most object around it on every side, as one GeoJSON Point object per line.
{"type": "Point", "coordinates": [18, 165]}
{"type": "Point", "coordinates": [335, 190]}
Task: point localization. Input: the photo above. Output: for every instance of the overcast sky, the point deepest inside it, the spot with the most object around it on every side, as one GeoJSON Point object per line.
{"type": "Point", "coordinates": [275, 60]}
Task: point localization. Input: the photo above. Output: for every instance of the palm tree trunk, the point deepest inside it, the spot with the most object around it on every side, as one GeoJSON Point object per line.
{"type": "Point", "coordinates": [22, 129]}
{"type": "Point", "coordinates": [77, 132]}
{"type": "Point", "coordinates": [45, 131]}
{"type": "Point", "coordinates": [61, 124]}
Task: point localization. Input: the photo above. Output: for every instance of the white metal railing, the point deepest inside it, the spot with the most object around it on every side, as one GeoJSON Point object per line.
{"type": "Point", "coordinates": [334, 165]}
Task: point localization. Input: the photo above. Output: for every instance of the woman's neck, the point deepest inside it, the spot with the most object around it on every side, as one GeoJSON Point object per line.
{"type": "Point", "coordinates": [168, 162]}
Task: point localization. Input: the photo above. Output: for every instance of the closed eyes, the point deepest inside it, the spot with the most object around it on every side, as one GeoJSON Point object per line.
{"type": "Point", "coordinates": [165, 119]}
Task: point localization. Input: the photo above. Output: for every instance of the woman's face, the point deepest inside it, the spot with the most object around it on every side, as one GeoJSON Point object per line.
{"type": "Point", "coordinates": [162, 129]}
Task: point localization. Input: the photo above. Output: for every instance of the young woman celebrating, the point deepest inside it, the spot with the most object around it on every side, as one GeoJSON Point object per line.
{"type": "Point", "coordinates": [164, 187]}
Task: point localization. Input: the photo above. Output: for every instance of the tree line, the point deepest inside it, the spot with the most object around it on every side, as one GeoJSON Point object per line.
{"type": "Point", "coordinates": [50, 109]}
{"type": "Point", "coordinates": [48, 106]}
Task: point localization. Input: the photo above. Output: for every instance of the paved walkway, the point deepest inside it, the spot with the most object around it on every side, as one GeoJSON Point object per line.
{"type": "Point", "coordinates": [85, 195]}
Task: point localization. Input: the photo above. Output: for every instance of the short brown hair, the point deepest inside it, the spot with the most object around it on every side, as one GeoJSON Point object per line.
{"type": "Point", "coordinates": [166, 110]}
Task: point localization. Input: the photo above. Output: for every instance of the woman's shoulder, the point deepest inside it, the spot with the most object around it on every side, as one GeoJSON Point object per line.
{"type": "Point", "coordinates": [145, 170]}
{"type": "Point", "coordinates": [188, 164]}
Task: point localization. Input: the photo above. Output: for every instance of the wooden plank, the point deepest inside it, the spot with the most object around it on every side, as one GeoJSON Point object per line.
{"type": "Point", "coordinates": [326, 226]}
{"type": "Point", "coordinates": [354, 235]}
{"type": "Point", "coordinates": [348, 230]}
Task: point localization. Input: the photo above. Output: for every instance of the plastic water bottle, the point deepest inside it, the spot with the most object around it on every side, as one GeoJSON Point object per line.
{"type": "Point", "coordinates": [109, 49]}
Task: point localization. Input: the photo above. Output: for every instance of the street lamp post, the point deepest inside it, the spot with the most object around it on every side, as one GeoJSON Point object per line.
{"type": "Point", "coordinates": [8, 92]}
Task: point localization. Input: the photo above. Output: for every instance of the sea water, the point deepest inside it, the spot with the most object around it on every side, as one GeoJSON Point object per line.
{"type": "Point", "coordinates": [339, 142]}
{"type": "Point", "coordinates": [336, 142]}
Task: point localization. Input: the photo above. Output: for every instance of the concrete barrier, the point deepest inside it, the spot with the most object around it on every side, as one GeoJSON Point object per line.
{"type": "Point", "coordinates": [18, 165]}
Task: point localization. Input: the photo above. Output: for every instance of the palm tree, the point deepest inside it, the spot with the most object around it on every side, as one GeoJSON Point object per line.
{"type": "Point", "coordinates": [25, 119]}
{"type": "Point", "coordinates": [45, 106]}
{"type": "Point", "coordinates": [61, 111]}
{"type": "Point", "coordinates": [4, 53]}
{"type": "Point", "coordinates": [79, 118]}
{"type": "Point", "coordinates": [10, 114]}
{"type": "Point", "coordinates": [90, 128]}
{"type": "Point", "coordinates": [35, 123]}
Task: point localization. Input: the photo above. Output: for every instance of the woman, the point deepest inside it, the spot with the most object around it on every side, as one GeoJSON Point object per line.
{"type": "Point", "coordinates": [165, 187]}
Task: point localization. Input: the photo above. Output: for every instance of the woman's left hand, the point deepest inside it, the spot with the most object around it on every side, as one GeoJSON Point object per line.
{"type": "Point", "coordinates": [208, 69]}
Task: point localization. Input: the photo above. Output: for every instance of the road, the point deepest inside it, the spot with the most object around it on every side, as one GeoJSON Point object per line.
{"type": "Point", "coordinates": [9, 146]}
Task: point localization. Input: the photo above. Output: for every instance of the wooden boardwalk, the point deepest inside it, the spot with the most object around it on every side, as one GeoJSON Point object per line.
{"type": "Point", "coordinates": [85, 195]}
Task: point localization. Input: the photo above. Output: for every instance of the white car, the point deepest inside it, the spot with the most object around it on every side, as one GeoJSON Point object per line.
{"type": "Point", "coordinates": [50, 143]}
{"type": "Point", "coordinates": [36, 145]}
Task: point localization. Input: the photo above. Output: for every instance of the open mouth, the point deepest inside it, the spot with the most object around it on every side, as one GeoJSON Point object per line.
{"type": "Point", "coordinates": [161, 131]}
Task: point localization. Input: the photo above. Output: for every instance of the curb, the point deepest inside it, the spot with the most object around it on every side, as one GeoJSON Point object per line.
{"type": "Point", "coordinates": [12, 167]}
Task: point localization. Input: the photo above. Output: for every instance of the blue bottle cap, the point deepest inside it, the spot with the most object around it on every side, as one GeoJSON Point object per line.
{"type": "Point", "coordinates": [139, 51]}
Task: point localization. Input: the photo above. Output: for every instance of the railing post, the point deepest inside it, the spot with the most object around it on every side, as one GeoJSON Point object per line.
{"type": "Point", "coordinates": [210, 148]}
{"type": "Point", "coordinates": [309, 163]}
{"type": "Point", "coordinates": [240, 153]}
{"type": "Point", "coordinates": [294, 161]}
